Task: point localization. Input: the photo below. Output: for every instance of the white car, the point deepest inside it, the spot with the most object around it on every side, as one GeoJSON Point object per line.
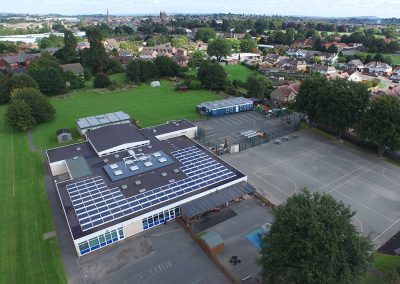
{"type": "Point", "coordinates": [277, 141]}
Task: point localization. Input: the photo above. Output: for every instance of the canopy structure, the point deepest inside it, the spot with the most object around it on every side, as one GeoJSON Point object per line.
{"type": "Point", "coordinates": [204, 204]}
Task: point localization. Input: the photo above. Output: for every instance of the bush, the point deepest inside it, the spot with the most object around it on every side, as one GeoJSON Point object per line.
{"type": "Point", "coordinates": [19, 115]}
{"type": "Point", "coordinates": [40, 106]}
{"type": "Point", "coordinates": [194, 85]}
{"type": "Point", "coordinates": [101, 81]}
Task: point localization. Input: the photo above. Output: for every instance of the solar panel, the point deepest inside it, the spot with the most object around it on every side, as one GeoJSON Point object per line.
{"type": "Point", "coordinates": [95, 204]}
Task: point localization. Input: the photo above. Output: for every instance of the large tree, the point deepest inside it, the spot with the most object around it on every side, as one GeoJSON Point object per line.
{"type": "Point", "coordinates": [48, 74]}
{"type": "Point", "coordinates": [41, 108]}
{"type": "Point", "coordinates": [380, 123]}
{"type": "Point", "coordinates": [259, 86]}
{"type": "Point", "coordinates": [219, 48]}
{"type": "Point", "coordinates": [167, 66]}
{"type": "Point", "coordinates": [96, 56]}
{"type": "Point", "coordinates": [101, 81]}
{"type": "Point", "coordinates": [139, 71]}
{"type": "Point", "coordinates": [4, 90]}
{"type": "Point", "coordinates": [205, 34]}
{"type": "Point", "coordinates": [307, 99]}
{"type": "Point", "coordinates": [312, 240]}
{"type": "Point", "coordinates": [248, 45]}
{"type": "Point", "coordinates": [341, 104]}
{"type": "Point", "coordinates": [68, 53]}
{"type": "Point", "coordinates": [212, 76]}
{"type": "Point", "coordinates": [19, 116]}
{"type": "Point", "coordinates": [180, 41]}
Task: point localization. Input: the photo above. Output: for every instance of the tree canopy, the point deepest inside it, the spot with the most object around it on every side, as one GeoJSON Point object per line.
{"type": "Point", "coordinates": [259, 86]}
{"type": "Point", "coordinates": [212, 75]}
{"type": "Point", "coordinates": [167, 66]}
{"type": "Point", "coordinates": [96, 56]}
{"type": "Point", "coordinates": [48, 74]}
{"type": "Point", "coordinates": [17, 81]}
{"type": "Point", "coordinates": [41, 108]}
{"type": "Point", "coordinates": [139, 71]}
{"type": "Point", "coordinates": [337, 104]}
{"type": "Point", "coordinates": [19, 116]}
{"type": "Point", "coordinates": [380, 123]}
{"type": "Point", "coordinates": [312, 240]}
{"type": "Point", "coordinates": [101, 81]}
{"type": "Point", "coordinates": [248, 45]}
{"type": "Point", "coordinates": [68, 53]}
{"type": "Point", "coordinates": [219, 48]}
{"type": "Point", "coordinates": [205, 34]}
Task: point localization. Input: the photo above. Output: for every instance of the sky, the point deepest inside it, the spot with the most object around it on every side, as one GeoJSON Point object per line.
{"type": "Point", "coordinates": [325, 8]}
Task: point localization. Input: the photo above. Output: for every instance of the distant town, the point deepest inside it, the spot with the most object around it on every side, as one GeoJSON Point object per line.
{"type": "Point", "coordinates": [199, 148]}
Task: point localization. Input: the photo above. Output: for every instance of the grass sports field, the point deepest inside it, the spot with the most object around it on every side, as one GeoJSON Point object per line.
{"type": "Point", "coordinates": [25, 257]}
{"type": "Point", "coordinates": [237, 72]}
{"type": "Point", "coordinates": [234, 72]}
{"type": "Point", "coordinates": [395, 57]}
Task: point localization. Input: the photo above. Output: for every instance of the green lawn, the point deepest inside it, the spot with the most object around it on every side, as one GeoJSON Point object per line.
{"type": "Point", "coordinates": [395, 57]}
{"type": "Point", "coordinates": [25, 257]}
{"type": "Point", "coordinates": [385, 262]}
{"type": "Point", "coordinates": [237, 72]}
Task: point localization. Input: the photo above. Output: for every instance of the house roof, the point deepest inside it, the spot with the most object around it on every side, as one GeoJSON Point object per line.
{"type": "Point", "coordinates": [62, 131]}
{"type": "Point", "coordinates": [395, 91]}
{"type": "Point", "coordinates": [283, 92]}
{"type": "Point", "coordinates": [356, 62]}
{"type": "Point", "coordinates": [111, 136]}
{"type": "Point", "coordinates": [377, 64]}
{"type": "Point", "coordinates": [73, 67]}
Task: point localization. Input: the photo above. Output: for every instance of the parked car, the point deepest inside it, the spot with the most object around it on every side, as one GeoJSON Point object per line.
{"type": "Point", "coordinates": [277, 141]}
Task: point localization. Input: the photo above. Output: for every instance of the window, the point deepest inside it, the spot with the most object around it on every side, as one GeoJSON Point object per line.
{"type": "Point", "coordinates": [145, 223]}
{"type": "Point", "coordinates": [161, 216]}
{"type": "Point", "coordinates": [166, 214]}
{"type": "Point", "coordinates": [114, 234]}
{"type": "Point", "coordinates": [121, 233]}
{"type": "Point", "coordinates": [171, 212]}
{"type": "Point", "coordinates": [83, 246]}
{"type": "Point", "coordinates": [177, 211]}
{"type": "Point", "coordinates": [155, 218]}
{"type": "Point", "coordinates": [150, 220]}
{"type": "Point", "coordinates": [108, 236]}
{"type": "Point", "coordinates": [93, 242]}
{"type": "Point", "coordinates": [102, 239]}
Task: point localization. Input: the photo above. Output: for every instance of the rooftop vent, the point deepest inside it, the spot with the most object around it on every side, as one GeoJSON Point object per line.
{"type": "Point", "coordinates": [162, 160]}
{"type": "Point", "coordinates": [124, 186]}
{"type": "Point", "coordinates": [118, 172]}
{"type": "Point", "coordinates": [171, 180]}
{"type": "Point", "coordinates": [134, 168]}
{"type": "Point", "coordinates": [142, 190]}
{"type": "Point", "coordinates": [78, 148]}
{"type": "Point", "coordinates": [105, 160]}
{"type": "Point", "coordinates": [176, 171]}
{"type": "Point", "coordinates": [116, 155]}
{"type": "Point", "coordinates": [113, 166]}
{"type": "Point", "coordinates": [75, 158]}
{"type": "Point", "coordinates": [164, 174]}
{"type": "Point", "coordinates": [139, 150]}
{"type": "Point", "coordinates": [156, 154]}
{"type": "Point", "coordinates": [148, 164]}
{"type": "Point", "coordinates": [149, 146]}
{"type": "Point", "coordinates": [138, 182]}
{"type": "Point", "coordinates": [154, 130]}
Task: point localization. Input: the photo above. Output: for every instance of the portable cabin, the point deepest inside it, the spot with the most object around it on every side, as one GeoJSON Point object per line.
{"type": "Point", "coordinates": [227, 106]}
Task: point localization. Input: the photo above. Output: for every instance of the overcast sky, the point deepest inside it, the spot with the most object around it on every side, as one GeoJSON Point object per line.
{"type": "Point", "coordinates": [344, 8]}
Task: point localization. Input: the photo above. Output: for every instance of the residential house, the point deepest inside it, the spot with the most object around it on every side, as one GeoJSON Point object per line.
{"type": "Point", "coordinates": [323, 69]}
{"type": "Point", "coordinates": [285, 94]}
{"type": "Point", "coordinates": [355, 64]}
{"type": "Point", "coordinates": [298, 53]}
{"type": "Point", "coordinates": [82, 45]}
{"type": "Point", "coordinates": [303, 44]}
{"type": "Point", "coordinates": [339, 75]}
{"type": "Point", "coordinates": [124, 60]}
{"type": "Point", "coordinates": [148, 54]}
{"type": "Point", "coordinates": [75, 68]}
{"type": "Point", "coordinates": [355, 76]}
{"type": "Point", "coordinates": [161, 49]}
{"type": "Point", "coordinates": [340, 45]}
{"type": "Point", "coordinates": [378, 68]}
{"type": "Point", "coordinates": [297, 65]}
{"type": "Point", "coordinates": [17, 61]}
{"type": "Point", "coordinates": [272, 59]}
{"type": "Point", "coordinates": [394, 91]}
{"type": "Point", "coordinates": [181, 59]}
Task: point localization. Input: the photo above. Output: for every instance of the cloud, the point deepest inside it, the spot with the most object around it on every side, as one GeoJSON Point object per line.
{"type": "Point", "coordinates": [345, 8]}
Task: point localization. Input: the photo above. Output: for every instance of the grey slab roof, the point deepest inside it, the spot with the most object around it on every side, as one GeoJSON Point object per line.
{"type": "Point", "coordinates": [110, 136]}
{"type": "Point", "coordinates": [102, 119]}
{"type": "Point", "coordinates": [78, 167]}
{"type": "Point", "coordinates": [127, 172]}
{"type": "Point", "coordinates": [212, 239]}
{"type": "Point", "coordinates": [211, 201]}
{"type": "Point", "coordinates": [167, 128]}
{"type": "Point", "coordinates": [226, 103]}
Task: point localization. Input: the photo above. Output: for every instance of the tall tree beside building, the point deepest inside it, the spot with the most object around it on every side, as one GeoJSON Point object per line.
{"type": "Point", "coordinates": [312, 240]}
{"type": "Point", "coordinates": [166, 66]}
{"type": "Point", "coordinates": [219, 48]}
{"type": "Point", "coordinates": [259, 86]}
{"type": "Point", "coordinates": [96, 56]}
{"type": "Point", "coordinates": [380, 124]}
{"type": "Point", "coordinates": [48, 74]}
{"type": "Point", "coordinates": [248, 45]}
{"type": "Point", "coordinates": [68, 53]}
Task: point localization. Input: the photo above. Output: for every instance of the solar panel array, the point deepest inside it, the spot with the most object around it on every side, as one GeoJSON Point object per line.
{"type": "Point", "coordinates": [96, 204]}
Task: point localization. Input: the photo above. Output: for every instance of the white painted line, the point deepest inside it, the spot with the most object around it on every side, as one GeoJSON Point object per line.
{"type": "Point", "coordinates": [274, 186]}
{"type": "Point", "coordinates": [306, 175]}
{"type": "Point", "coordinates": [386, 177]}
{"type": "Point", "coordinates": [398, 220]}
{"type": "Point", "coordinates": [224, 121]}
{"type": "Point", "coordinates": [365, 206]}
{"type": "Point", "coordinates": [359, 222]}
{"type": "Point", "coordinates": [231, 120]}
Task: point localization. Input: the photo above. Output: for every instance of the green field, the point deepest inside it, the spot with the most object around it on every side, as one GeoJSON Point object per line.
{"type": "Point", "coordinates": [386, 262]}
{"type": "Point", "coordinates": [237, 72]}
{"type": "Point", "coordinates": [395, 57]}
{"type": "Point", "coordinates": [25, 257]}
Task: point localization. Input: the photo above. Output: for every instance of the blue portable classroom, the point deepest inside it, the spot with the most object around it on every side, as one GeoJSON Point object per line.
{"type": "Point", "coordinates": [227, 106]}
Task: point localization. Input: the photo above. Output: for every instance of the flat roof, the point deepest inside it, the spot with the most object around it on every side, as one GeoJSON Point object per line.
{"type": "Point", "coordinates": [96, 202]}
{"type": "Point", "coordinates": [213, 200]}
{"type": "Point", "coordinates": [111, 136]}
{"type": "Point", "coordinates": [168, 127]}
{"type": "Point", "coordinates": [226, 103]}
{"type": "Point", "coordinates": [102, 119]}
{"type": "Point", "coordinates": [78, 167]}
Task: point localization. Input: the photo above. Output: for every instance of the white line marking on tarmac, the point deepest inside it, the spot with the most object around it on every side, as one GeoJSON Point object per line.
{"type": "Point", "coordinates": [386, 177]}
{"type": "Point", "coordinates": [359, 222]}
{"type": "Point", "coordinates": [380, 235]}
{"type": "Point", "coordinates": [365, 206]}
{"type": "Point", "coordinates": [276, 187]}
